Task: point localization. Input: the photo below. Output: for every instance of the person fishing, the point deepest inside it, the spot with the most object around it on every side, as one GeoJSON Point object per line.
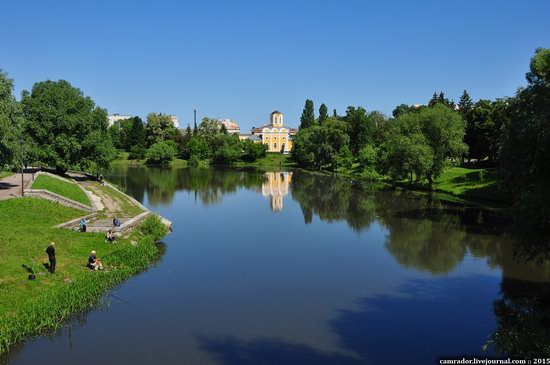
{"type": "Point", "coordinates": [51, 256]}
{"type": "Point", "coordinates": [83, 225]}
{"type": "Point", "coordinates": [94, 263]}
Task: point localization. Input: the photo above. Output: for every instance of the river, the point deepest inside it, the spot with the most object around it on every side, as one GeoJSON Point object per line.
{"type": "Point", "coordinates": [294, 268]}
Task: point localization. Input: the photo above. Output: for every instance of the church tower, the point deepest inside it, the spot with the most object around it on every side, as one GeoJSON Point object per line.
{"type": "Point", "coordinates": [277, 119]}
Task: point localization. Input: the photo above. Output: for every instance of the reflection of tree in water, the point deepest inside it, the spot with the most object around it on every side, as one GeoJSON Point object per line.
{"type": "Point", "coordinates": [160, 184]}
{"type": "Point", "coordinates": [333, 199]}
{"type": "Point", "coordinates": [523, 319]}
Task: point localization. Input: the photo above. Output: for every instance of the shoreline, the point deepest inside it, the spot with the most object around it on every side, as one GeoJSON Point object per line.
{"type": "Point", "coordinates": [35, 307]}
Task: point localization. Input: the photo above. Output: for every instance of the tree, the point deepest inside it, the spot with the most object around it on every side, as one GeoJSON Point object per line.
{"type": "Point", "coordinates": [252, 151]}
{"type": "Point", "coordinates": [360, 128]}
{"type": "Point", "coordinates": [334, 113]}
{"type": "Point", "coordinates": [321, 146]}
{"type": "Point", "coordinates": [197, 147]}
{"type": "Point", "coordinates": [10, 119]}
{"type": "Point", "coordinates": [67, 128]}
{"type": "Point", "coordinates": [323, 113]}
{"type": "Point", "coordinates": [424, 143]}
{"type": "Point", "coordinates": [440, 99]}
{"type": "Point", "coordinates": [159, 128]}
{"type": "Point", "coordinates": [400, 110]}
{"type": "Point", "coordinates": [308, 118]}
{"type": "Point", "coordinates": [227, 149]}
{"type": "Point", "coordinates": [120, 132]}
{"type": "Point", "coordinates": [136, 135]}
{"type": "Point", "coordinates": [465, 104]}
{"type": "Point", "coordinates": [368, 158]}
{"type": "Point", "coordinates": [161, 153]}
{"type": "Point", "coordinates": [525, 155]}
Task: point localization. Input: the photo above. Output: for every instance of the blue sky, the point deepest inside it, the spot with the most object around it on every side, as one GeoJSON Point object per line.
{"type": "Point", "coordinates": [242, 59]}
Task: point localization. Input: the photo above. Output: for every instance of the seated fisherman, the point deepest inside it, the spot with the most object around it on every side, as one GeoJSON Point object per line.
{"type": "Point", "coordinates": [94, 263]}
{"type": "Point", "coordinates": [111, 236]}
{"type": "Point", "coordinates": [116, 222]}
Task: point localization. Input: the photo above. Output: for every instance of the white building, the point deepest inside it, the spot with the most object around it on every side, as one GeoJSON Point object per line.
{"type": "Point", "coordinates": [230, 125]}
{"type": "Point", "coordinates": [175, 120]}
{"type": "Point", "coordinates": [115, 117]}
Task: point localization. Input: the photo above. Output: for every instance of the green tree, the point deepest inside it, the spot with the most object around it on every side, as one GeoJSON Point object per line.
{"type": "Point", "coordinates": [161, 153]}
{"type": "Point", "coordinates": [323, 113]}
{"type": "Point", "coordinates": [227, 149]}
{"type": "Point", "coordinates": [120, 133]}
{"type": "Point", "coordinates": [197, 147]}
{"type": "Point", "coordinates": [401, 109]}
{"type": "Point", "coordinates": [525, 155]}
{"type": "Point", "coordinates": [67, 128]}
{"type": "Point", "coordinates": [252, 151]}
{"type": "Point", "coordinates": [424, 143]}
{"type": "Point", "coordinates": [10, 120]}
{"type": "Point", "coordinates": [159, 128]}
{"type": "Point", "coordinates": [308, 117]}
{"type": "Point", "coordinates": [136, 135]}
{"type": "Point", "coordinates": [360, 128]}
{"type": "Point", "coordinates": [321, 146]}
{"type": "Point", "coordinates": [368, 158]}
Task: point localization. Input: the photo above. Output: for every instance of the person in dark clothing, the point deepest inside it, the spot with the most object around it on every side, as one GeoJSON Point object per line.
{"type": "Point", "coordinates": [51, 256]}
{"type": "Point", "coordinates": [116, 222]}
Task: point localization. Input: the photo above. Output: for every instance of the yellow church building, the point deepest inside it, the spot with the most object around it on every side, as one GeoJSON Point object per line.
{"type": "Point", "coordinates": [275, 135]}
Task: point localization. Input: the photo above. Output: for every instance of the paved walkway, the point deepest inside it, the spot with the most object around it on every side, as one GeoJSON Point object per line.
{"type": "Point", "coordinates": [10, 186]}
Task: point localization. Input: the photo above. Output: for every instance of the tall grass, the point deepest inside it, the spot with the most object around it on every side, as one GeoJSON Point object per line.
{"type": "Point", "coordinates": [56, 306]}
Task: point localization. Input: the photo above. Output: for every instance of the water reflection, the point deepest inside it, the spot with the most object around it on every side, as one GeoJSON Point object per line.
{"type": "Point", "coordinates": [276, 185]}
{"type": "Point", "coordinates": [421, 233]}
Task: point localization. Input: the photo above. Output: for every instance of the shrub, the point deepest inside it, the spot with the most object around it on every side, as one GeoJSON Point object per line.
{"type": "Point", "coordinates": [160, 153]}
{"type": "Point", "coordinates": [152, 226]}
{"type": "Point", "coordinates": [252, 151]}
{"type": "Point", "coordinates": [194, 161]}
{"type": "Point", "coordinates": [137, 153]}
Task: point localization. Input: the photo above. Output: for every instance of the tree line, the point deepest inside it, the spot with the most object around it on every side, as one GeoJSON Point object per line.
{"type": "Point", "coordinates": [56, 125]}
{"type": "Point", "coordinates": [419, 141]}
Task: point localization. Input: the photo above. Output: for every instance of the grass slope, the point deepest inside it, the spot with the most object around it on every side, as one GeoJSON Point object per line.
{"type": "Point", "coordinates": [28, 307]}
{"type": "Point", "coordinates": [61, 187]}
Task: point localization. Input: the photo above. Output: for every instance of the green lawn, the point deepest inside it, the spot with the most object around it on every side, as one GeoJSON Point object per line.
{"type": "Point", "coordinates": [28, 307]}
{"type": "Point", "coordinates": [271, 160]}
{"type": "Point", "coordinates": [460, 183]}
{"type": "Point", "coordinates": [123, 160]}
{"type": "Point", "coordinates": [61, 187]}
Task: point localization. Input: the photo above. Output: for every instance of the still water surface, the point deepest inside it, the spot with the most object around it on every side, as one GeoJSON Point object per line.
{"type": "Point", "coordinates": [294, 268]}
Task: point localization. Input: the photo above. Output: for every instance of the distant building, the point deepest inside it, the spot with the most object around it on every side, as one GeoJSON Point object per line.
{"type": "Point", "coordinates": [175, 120]}
{"type": "Point", "coordinates": [275, 135]}
{"type": "Point", "coordinates": [231, 126]}
{"type": "Point", "coordinates": [116, 117]}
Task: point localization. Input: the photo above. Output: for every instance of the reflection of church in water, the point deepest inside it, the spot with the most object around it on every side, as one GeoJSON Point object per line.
{"type": "Point", "coordinates": [276, 184]}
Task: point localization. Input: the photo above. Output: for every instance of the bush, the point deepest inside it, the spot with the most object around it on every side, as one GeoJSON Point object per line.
{"type": "Point", "coordinates": [153, 227]}
{"type": "Point", "coordinates": [252, 151]}
{"type": "Point", "coordinates": [137, 153]}
{"type": "Point", "coordinates": [161, 153]}
{"type": "Point", "coordinates": [194, 161]}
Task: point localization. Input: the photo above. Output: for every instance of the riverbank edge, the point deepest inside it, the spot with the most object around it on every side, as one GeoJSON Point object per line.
{"type": "Point", "coordinates": [279, 161]}
{"type": "Point", "coordinates": [60, 304]}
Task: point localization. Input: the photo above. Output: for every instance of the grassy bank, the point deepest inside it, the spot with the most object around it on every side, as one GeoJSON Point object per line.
{"type": "Point", "coordinates": [28, 307]}
{"type": "Point", "coordinates": [271, 160]}
{"type": "Point", "coordinates": [62, 187]}
{"type": "Point", "coordinates": [123, 160]}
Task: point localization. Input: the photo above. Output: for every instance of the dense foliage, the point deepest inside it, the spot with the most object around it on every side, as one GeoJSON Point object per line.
{"type": "Point", "coordinates": [10, 115]}
{"type": "Point", "coordinates": [66, 129]}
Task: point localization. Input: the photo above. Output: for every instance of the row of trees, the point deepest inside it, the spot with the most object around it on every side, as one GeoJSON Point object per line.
{"type": "Point", "coordinates": [418, 142]}
{"type": "Point", "coordinates": [159, 141]}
